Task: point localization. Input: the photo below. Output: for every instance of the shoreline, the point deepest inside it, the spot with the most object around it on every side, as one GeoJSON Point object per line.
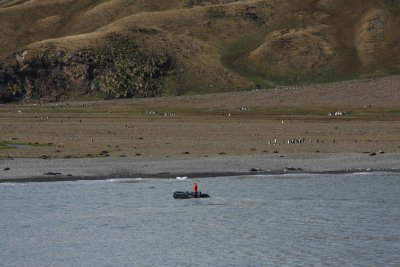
{"type": "Point", "coordinates": [22, 170]}
{"type": "Point", "coordinates": [62, 178]}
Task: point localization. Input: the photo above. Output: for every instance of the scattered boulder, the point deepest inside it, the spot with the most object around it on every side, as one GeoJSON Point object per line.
{"type": "Point", "coordinates": [104, 153]}
{"type": "Point", "coordinates": [52, 173]}
{"type": "Point", "coordinates": [293, 169]}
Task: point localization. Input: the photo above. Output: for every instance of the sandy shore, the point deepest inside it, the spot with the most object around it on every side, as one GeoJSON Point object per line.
{"type": "Point", "coordinates": [25, 170]}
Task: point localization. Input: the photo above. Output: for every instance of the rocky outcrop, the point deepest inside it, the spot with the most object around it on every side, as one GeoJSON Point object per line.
{"type": "Point", "coordinates": [119, 69]}
{"type": "Point", "coordinates": [8, 91]}
{"type": "Point", "coordinates": [129, 71]}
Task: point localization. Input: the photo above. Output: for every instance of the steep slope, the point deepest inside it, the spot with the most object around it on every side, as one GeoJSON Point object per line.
{"type": "Point", "coordinates": [91, 49]}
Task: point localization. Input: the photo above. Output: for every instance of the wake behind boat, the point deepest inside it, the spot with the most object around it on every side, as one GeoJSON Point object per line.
{"type": "Point", "coordinates": [185, 195]}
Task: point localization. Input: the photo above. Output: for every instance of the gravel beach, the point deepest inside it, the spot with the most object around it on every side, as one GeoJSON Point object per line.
{"type": "Point", "coordinates": [27, 170]}
{"type": "Point", "coordinates": [293, 129]}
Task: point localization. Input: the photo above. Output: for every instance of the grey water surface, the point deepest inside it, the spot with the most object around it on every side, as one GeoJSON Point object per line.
{"type": "Point", "coordinates": [282, 220]}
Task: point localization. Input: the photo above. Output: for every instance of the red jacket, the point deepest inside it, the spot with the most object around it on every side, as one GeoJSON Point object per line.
{"type": "Point", "coordinates": [194, 187]}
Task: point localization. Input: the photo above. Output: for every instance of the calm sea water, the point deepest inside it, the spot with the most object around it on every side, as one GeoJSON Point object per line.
{"type": "Point", "coordinates": [286, 220]}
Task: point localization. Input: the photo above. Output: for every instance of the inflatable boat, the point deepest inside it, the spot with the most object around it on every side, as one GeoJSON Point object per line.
{"type": "Point", "coordinates": [185, 195]}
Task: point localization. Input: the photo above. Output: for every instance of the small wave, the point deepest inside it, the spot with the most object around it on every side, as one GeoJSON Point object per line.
{"type": "Point", "coordinates": [119, 180]}
{"type": "Point", "coordinates": [127, 180]}
{"type": "Point", "coordinates": [300, 175]}
{"type": "Point", "coordinates": [12, 184]}
{"type": "Point", "coordinates": [181, 178]}
{"type": "Point", "coordinates": [83, 182]}
{"type": "Point", "coordinates": [102, 181]}
{"type": "Point", "coordinates": [360, 174]}
{"type": "Point", "coordinates": [367, 172]}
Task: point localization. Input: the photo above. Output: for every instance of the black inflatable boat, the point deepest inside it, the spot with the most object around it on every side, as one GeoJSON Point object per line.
{"type": "Point", "coordinates": [185, 195]}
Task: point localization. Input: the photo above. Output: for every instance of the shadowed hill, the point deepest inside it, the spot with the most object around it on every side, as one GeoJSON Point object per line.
{"type": "Point", "coordinates": [91, 49]}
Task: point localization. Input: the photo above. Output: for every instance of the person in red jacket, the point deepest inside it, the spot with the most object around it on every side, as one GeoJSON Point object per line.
{"type": "Point", "coordinates": [195, 189]}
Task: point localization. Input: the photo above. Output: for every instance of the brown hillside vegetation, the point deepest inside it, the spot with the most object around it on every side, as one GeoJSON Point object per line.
{"type": "Point", "coordinates": [95, 49]}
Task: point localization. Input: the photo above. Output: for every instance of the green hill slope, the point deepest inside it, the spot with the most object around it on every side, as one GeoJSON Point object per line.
{"type": "Point", "coordinates": [95, 49]}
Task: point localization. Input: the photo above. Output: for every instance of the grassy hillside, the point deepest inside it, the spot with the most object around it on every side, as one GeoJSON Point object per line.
{"type": "Point", "coordinates": [93, 49]}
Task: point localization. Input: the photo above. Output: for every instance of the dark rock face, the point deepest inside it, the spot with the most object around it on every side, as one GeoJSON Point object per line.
{"type": "Point", "coordinates": [48, 76]}
{"type": "Point", "coordinates": [131, 72]}
{"type": "Point", "coordinates": [117, 70]}
{"type": "Point", "coordinates": [7, 93]}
